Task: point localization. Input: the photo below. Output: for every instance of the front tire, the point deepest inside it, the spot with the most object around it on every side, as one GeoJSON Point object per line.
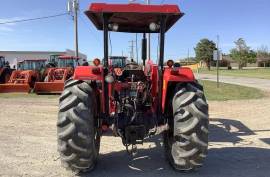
{"type": "Point", "coordinates": [77, 127]}
{"type": "Point", "coordinates": [186, 141]}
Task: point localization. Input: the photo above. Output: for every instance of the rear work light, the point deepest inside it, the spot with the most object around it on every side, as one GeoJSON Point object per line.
{"type": "Point", "coordinates": [170, 63]}
{"type": "Point", "coordinates": [96, 62]}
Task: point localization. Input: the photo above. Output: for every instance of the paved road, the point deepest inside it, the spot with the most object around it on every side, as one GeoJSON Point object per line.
{"type": "Point", "coordinates": [263, 84]}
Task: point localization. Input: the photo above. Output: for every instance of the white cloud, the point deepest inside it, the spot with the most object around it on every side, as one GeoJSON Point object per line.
{"type": "Point", "coordinates": [6, 29]}
{"type": "Point", "coordinates": [9, 27]}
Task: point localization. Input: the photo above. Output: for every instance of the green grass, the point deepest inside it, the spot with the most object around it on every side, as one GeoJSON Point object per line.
{"type": "Point", "coordinates": [262, 73]}
{"type": "Point", "coordinates": [223, 93]}
{"type": "Point", "coordinates": [230, 91]}
{"type": "Point", "coordinates": [25, 95]}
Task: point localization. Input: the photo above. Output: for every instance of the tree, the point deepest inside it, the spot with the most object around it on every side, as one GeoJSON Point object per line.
{"type": "Point", "coordinates": [242, 53]}
{"type": "Point", "coordinates": [204, 51]}
{"type": "Point", "coordinates": [263, 56]}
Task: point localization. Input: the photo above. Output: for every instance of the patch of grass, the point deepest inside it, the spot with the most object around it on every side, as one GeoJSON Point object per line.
{"type": "Point", "coordinates": [223, 93]}
{"type": "Point", "coordinates": [262, 73]}
{"type": "Point", "coordinates": [229, 91]}
{"type": "Point", "coordinates": [26, 95]}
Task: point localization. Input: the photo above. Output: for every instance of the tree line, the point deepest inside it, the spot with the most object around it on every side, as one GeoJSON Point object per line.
{"type": "Point", "coordinates": [241, 53]}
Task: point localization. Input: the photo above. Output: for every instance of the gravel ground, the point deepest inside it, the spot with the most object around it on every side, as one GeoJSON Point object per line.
{"type": "Point", "coordinates": [239, 143]}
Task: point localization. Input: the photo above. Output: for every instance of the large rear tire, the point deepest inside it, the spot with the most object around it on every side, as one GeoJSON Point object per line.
{"type": "Point", "coordinates": [77, 127]}
{"type": "Point", "coordinates": [186, 141]}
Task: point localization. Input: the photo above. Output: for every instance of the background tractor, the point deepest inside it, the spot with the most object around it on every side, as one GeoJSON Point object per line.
{"type": "Point", "coordinates": [23, 79]}
{"type": "Point", "coordinates": [117, 61]}
{"type": "Point", "coordinates": [136, 103]}
{"type": "Point", "coordinates": [59, 69]}
{"type": "Point", "coordinates": [5, 70]}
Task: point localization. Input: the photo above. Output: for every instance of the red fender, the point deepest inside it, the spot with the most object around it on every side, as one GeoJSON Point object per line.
{"type": "Point", "coordinates": [88, 73]}
{"type": "Point", "coordinates": [94, 73]}
{"type": "Point", "coordinates": [181, 74]}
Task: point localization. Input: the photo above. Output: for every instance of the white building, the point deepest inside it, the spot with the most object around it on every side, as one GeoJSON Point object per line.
{"type": "Point", "coordinates": [16, 56]}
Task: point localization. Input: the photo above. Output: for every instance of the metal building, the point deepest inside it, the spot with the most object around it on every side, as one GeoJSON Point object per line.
{"type": "Point", "coordinates": [16, 56]}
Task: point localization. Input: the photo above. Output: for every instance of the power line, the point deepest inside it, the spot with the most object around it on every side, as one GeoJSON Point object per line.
{"type": "Point", "coordinates": [86, 26]}
{"type": "Point", "coordinates": [33, 19]}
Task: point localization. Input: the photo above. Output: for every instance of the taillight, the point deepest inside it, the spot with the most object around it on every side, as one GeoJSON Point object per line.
{"type": "Point", "coordinates": [96, 70]}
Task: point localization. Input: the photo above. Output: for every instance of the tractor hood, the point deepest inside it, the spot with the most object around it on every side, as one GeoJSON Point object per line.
{"type": "Point", "coordinates": [133, 18]}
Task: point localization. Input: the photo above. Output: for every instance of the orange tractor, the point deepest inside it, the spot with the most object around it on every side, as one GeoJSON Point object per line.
{"type": "Point", "coordinates": [5, 70]}
{"type": "Point", "coordinates": [23, 79]}
{"type": "Point", "coordinates": [54, 77]}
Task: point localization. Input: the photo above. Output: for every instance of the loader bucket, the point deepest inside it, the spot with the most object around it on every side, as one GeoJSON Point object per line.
{"type": "Point", "coordinates": [8, 88]}
{"type": "Point", "coordinates": [49, 87]}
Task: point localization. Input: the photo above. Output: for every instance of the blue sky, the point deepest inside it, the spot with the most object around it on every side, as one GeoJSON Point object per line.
{"type": "Point", "coordinates": [230, 19]}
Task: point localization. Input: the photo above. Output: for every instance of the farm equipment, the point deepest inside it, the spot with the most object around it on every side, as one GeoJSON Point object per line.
{"type": "Point", "coordinates": [5, 70]}
{"type": "Point", "coordinates": [117, 61]}
{"type": "Point", "coordinates": [62, 68]}
{"type": "Point", "coordinates": [23, 79]}
{"type": "Point", "coordinates": [138, 101]}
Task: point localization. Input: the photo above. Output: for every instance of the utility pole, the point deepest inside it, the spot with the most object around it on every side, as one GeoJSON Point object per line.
{"type": "Point", "coordinates": [137, 58]}
{"type": "Point", "coordinates": [73, 7]}
{"type": "Point", "coordinates": [218, 58]}
{"type": "Point", "coordinates": [148, 39]}
{"type": "Point", "coordinates": [132, 49]}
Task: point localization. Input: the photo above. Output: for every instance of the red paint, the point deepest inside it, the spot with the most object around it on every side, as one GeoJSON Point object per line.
{"type": "Point", "coordinates": [86, 73]}
{"type": "Point", "coordinates": [133, 18]}
{"type": "Point", "coordinates": [135, 8]}
{"type": "Point", "coordinates": [65, 57]}
{"type": "Point", "coordinates": [56, 78]}
{"type": "Point", "coordinates": [182, 74]}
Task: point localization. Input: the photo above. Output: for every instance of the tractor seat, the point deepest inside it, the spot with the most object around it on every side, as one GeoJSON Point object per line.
{"type": "Point", "coordinates": [137, 74]}
{"type": "Point", "coordinates": [132, 66]}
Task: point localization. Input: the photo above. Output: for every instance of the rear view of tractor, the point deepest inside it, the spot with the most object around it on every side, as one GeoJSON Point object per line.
{"type": "Point", "coordinates": [135, 101]}
{"type": "Point", "coordinates": [23, 79]}
{"type": "Point", "coordinates": [58, 71]}
{"type": "Point", "coordinates": [5, 70]}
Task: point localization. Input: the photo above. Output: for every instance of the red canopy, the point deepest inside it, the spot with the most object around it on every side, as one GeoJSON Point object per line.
{"type": "Point", "coordinates": [66, 57]}
{"type": "Point", "coordinates": [133, 18]}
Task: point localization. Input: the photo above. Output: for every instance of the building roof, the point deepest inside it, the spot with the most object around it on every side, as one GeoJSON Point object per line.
{"type": "Point", "coordinates": [45, 52]}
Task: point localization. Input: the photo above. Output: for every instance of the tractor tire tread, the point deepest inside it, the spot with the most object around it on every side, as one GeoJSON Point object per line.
{"type": "Point", "coordinates": [75, 127]}
{"type": "Point", "coordinates": [189, 139]}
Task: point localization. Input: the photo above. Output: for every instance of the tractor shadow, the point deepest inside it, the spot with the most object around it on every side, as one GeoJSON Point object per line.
{"type": "Point", "coordinates": [222, 161]}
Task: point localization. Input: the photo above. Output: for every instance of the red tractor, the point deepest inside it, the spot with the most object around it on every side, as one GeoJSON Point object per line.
{"type": "Point", "coordinates": [136, 101]}
{"type": "Point", "coordinates": [23, 79]}
{"type": "Point", "coordinates": [60, 68]}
